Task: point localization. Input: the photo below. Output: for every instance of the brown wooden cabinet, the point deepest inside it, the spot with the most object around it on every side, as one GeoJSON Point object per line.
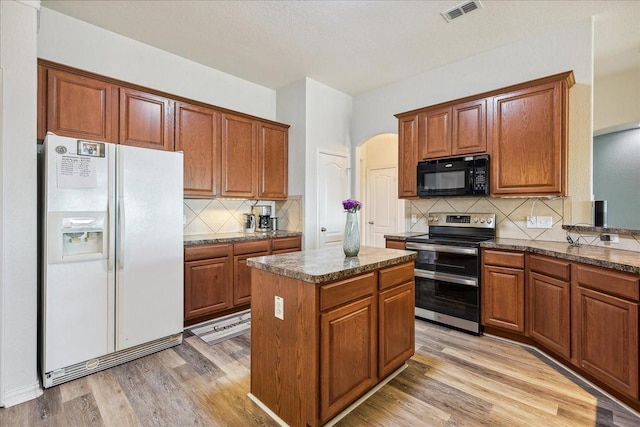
{"type": "Point", "coordinates": [522, 127]}
{"type": "Point", "coordinates": [242, 273]}
{"type": "Point", "coordinates": [80, 107]}
{"type": "Point", "coordinates": [239, 166]}
{"type": "Point", "coordinates": [503, 290]}
{"type": "Point", "coordinates": [605, 324]}
{"type": "Point", "coordinates": [197, 135]}
{"type": "Point", "coordinates": [407, 156]}
{"type": "Point", "coordinates": [272, 161]}
{"type": "Point", "coordinates": [217, 280]}
{"type": "Point", "coordinates": [334, 342]}
{"type": "Point", "coordinates": [284, 245]}
{"type": "Point", "coordinates": [146, 120]}
{"type": "Point", "coordinates": [226, 154]}
{"type": "Point", "coordinates": [396, 327]}
{"type": "Point", "coordinates": [549, 303]}
{"type": "Point", "coordinates": [208, 276]}
{"type": "Point", "coordinates": [469, 128]}
{"type": "Point", "coordinates": [529, 140]}
{"type": "Point", "coordinates": [348, 343]}
{"type": "Point", "coordinates": [434, 133]}
{"type": "Point", "coordinates": [394, 244]}
{"type": "Point", "coordinates": [453, 130]}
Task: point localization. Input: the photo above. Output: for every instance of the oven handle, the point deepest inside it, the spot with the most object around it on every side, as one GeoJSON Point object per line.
{"type": "Point", "coordinates": [441, 248]}
{"type": "Point", "coordinates": [445, 277]}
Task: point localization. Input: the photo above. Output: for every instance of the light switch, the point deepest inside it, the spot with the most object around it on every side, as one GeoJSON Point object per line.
{"type": "Point", "coordinates": [279, 303]}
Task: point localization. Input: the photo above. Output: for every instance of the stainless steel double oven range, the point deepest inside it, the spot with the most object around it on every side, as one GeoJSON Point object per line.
{"type": "Point", "coordinates": [447, 270]}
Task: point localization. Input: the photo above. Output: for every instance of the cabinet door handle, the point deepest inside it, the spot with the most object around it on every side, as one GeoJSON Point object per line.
{"type": "Point", "coordinates": [371, 222]}
{"type": "Point", "coordinates": [323, 229]}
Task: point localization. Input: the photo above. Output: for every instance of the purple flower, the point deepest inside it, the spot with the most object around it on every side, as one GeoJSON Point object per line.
{"type": "Point", "coordinates": [351, 205]}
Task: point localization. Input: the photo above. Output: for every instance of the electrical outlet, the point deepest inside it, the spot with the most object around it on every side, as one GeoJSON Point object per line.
{"type": "Point", "coordinates": [544, 222]}
{"type": "Point", "coordinates": [532, 222]}
{"type": "Point", "coordinates": [279, 303]}
{"type": "Point", "coordinates": [414, 218]}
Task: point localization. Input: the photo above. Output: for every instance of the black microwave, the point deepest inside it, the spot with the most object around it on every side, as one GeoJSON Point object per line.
{"type": "Point", "coordinates": [454, 176]}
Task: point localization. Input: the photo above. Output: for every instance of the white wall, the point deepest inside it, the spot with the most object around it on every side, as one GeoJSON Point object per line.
{"type": "Point", "coordinates": [76, 43]}
{"type": "Point", "coordinates": [328, 122]}
{"type": "Point", "coordinates": [550, 53]}
{"type": "Point", "coordinates": [566, 49]}
{"type": "Point", "coordinates": [18, 266]}
{"type": "Point", "coordinates": [291, 109]}
{"type": "Point", "coordinates": [616, 99]}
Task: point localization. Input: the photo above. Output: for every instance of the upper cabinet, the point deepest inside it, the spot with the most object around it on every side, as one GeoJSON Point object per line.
{"type": "Point", "coordinates": [434, 133]}
{"type": "Point", "coordinates": [146, 120]}
{"type": "Point", "coordinates": [469, 128]}
{"type": "Point", "coordinates": [454, 130]}
{"type": "Point", "coordinates": [272, 161]}
{"type": "Point", "coordinates": [523, 128]}
{"type": "Point", "coordinates": [407, 156]}
{"type": "Point", "coordinates": [226, 154]}
{"type": "Point", "coordinates": [529, 141]}
{"type": "Point", "coordinates": [239, 156]}
{"type": "Point", "coordinates": [197, 135]}
{"type": "Point", "coordinates": [79, 106]}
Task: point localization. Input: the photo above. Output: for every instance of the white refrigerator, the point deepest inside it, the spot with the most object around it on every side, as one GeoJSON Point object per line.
{"type": "Point", "coordinates": [112, 273]}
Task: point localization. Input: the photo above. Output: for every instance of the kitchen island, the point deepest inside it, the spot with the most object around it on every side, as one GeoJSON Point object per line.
{"type": "Point", "coordinates": [327, 330]}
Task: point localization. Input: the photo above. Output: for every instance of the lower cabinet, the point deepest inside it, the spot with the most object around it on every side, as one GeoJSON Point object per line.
{"type": "Point", "coordinates": [502, 290]}
{"type": "Point", "coordinates": [549, 303]}
{"type": "Point", "coordinates": [242, 273]}
{"type": "Point", "coordinates": [586, 315]}
{"type": "Point", "coordinates": [217, 280]}
{"type": "Point", "coordinates": [605, 324]}
{"type": "Point", "coordinates": [208, 275]}
{"type": "Point", "coordinates": [394, 244]}
{"type": "Point", "coordinates": [348, 343]}
{"type": "Point", "coordinates": [396, 329]}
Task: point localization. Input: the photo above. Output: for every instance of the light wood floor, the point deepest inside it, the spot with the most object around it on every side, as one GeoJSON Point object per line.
{"type": "Point", "coordinates": [454, 379]}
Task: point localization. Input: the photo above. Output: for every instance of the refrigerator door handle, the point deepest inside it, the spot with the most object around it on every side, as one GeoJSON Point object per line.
{"type": "Point", "coordinates": [121, 234]}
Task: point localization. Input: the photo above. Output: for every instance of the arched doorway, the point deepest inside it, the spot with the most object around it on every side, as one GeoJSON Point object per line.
{"type": "Point", "coordinates": [383, 212]}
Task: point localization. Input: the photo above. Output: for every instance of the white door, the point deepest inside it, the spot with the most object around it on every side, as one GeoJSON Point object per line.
{"type": "Point", "coordinates": [382, 196]}
{"type": "Point", "coordinates": [333, 188]}
{"type": "Point", "coordinates": [149, 245]}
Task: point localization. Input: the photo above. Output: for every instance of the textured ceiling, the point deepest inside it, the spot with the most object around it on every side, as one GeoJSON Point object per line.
{"type": "Point", "coordinates": [352, 46]}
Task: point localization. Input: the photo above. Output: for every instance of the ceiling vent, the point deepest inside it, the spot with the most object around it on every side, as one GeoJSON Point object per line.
{"type": "Point", "coordinates": [461, 9]}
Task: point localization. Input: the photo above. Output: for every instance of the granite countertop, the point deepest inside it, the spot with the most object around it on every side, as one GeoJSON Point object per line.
{"type": "Point", "coordinates": [203, 239]}
{"type": "Point", "coordinates": [616, 259]}
{"type": "Point", "coordinates": [329, 264]}
{"type": "Point", "coordinates": [403, 235]}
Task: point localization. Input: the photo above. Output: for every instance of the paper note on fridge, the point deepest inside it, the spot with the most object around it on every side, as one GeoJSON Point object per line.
{"type": "Point", "coordinates": [76, 171]}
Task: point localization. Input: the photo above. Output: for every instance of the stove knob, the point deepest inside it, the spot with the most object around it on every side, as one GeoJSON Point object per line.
{"type": "Point", "coordinates": [481, 220]}
{"type": "Point", "coordinates": [435, 219]}
{"type": "Point", "coordinates": [475, 219]}
{"type": "Point", "coordinates": [489, 221]}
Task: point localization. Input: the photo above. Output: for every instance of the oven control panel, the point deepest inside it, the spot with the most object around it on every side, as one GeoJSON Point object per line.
{"type": "Point", "coordinates": [477, 220]}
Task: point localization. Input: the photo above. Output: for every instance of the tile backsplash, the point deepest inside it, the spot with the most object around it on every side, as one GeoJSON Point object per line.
{"type": "Point", "coordinates": [511, 216]}
{"type": "Point", "coordinates": [215, 216]}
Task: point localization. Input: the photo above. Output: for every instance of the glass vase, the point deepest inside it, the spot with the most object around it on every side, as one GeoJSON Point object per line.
{"type": "Point", "coordinates": [351, 240]}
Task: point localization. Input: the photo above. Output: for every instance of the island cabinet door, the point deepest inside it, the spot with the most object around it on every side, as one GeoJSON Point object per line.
{"type": "Point", "coordinates": [348, 358]}
{"type": "Point", "coordinates": [397, 327]}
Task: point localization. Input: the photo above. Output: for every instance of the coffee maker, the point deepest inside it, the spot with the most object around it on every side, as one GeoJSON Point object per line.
{"type": "Point", "coordinates": [263, 212]}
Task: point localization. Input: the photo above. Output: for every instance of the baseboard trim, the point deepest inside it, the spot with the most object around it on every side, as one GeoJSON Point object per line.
{"type": "Point", "coordinates": [22, 394]}
{"type": "Point", "coordinates": [344, 412]}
